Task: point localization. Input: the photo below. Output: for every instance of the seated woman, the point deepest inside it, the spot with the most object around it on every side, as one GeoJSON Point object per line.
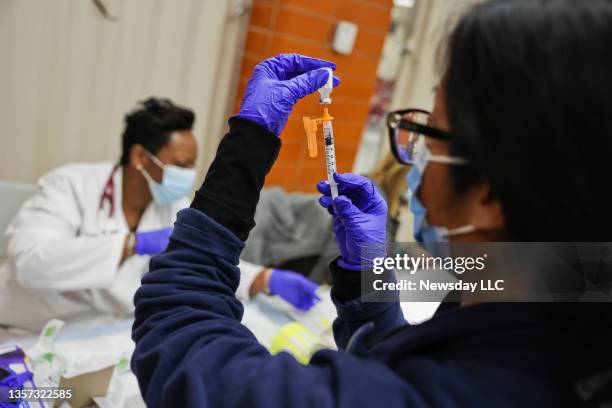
{"type": "Point", "coordinates": [79, 247]}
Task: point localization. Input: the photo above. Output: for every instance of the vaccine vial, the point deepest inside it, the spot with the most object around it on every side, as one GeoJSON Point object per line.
{"type": "Point", "coordinates": [326, 90]}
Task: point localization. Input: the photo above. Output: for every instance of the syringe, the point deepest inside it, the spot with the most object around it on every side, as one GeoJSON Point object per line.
{"type": "Point", "coordinates": [310, 125]}
{"type": "Point", "coordinates": [328, 133]}
{"type": "Point", "coordinates": [330, 153]}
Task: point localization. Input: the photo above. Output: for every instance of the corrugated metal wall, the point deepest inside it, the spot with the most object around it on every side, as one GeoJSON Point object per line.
{"type": "Point", "coordinates": [67, 75]}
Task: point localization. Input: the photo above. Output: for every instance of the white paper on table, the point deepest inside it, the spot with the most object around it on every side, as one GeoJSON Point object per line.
{"type": "Point", "coordinates": [266, 315]}
{"type": "Point", "coordinates": [92, 354]}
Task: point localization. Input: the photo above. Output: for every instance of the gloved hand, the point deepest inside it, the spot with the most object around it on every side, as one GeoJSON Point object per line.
{"type": "Point", "coordinates": [294, 288]}
{"type": "Point", "coordinates": [152, 242]}
{"type": "Point", "coordinates": [276, 85]}
{"type": "Point", "coordinates": [360, 220]}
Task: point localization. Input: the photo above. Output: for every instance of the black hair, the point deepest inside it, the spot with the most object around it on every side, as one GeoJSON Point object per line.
{"type": "Point", "coordinates": [528, 90]}
{"type": "Point", "coordinates": [151, 125]}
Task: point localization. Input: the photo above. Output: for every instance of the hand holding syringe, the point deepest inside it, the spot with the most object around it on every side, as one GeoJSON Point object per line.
{"type": "Point", "coordinates": [310, 125]}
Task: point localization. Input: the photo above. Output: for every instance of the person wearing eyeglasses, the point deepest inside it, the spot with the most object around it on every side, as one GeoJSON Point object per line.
{"type": "Point", "coordinates": [517, 147]}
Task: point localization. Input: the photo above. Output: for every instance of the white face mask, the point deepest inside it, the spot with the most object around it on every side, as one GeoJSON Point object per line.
{"type": "Point", "coordinates": [423, 231]}
{"type": "Point", "coordinates": [176, 183]}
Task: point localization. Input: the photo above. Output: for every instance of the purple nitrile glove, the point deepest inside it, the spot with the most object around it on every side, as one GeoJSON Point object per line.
{"type": "Point", "coordinates": [152, 242]}
{"type": "Point", "coordinates": [276, 85]}
{"type": "Point", "coordinates": [360, 220]}
{"type": "Point", "coordinates": [294, 288]}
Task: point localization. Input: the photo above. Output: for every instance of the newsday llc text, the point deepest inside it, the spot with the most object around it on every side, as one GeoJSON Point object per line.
{"type": "Point", "coordinates": [513, 271]}
{"type": "Point", "coordinates": [407, 279]}
{"type": "Point", "coordinates": [428, 285]}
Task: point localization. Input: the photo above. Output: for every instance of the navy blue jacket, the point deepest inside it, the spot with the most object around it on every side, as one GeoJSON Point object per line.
{"type": "Point", "coordinates": [192, 350]}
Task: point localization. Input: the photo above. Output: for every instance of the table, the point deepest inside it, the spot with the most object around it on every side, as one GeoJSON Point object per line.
{"type": "Point", "coordinates": [104, 341]}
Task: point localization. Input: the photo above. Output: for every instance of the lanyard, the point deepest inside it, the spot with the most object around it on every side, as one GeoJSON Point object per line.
{"type": "Point", "coordinates": [108, 194]}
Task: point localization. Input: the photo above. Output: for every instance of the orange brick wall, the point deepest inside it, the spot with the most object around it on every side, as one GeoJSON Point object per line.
{"type": "Point", "coordinates": [307, 27]}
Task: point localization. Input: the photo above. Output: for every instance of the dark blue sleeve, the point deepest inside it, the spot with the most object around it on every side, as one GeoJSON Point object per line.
{"type": "Point", "coordinates": [191, 349]}
{"type": "Point", "coordinates": [354, 313]}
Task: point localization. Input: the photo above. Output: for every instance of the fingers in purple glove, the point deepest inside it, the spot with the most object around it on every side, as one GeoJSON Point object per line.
{"type": "Point", "coordinates": [351, 181]}
{"type": "Point", "coordinates": [309, 82]}
{"type": "Point", "coordinates": [152, 242]}
{"type": "Point", "coordinates": [294, 288]}
{"type": "Point", "coordinates": [287, 66]}
{"type": "Point", "coordinates": [305, 304]}
{"type": "Point", "coordinates": [307, 300]}
{"type": "Point", "coordinates": [342, 200]}
{"type": "Point", "coordinates": [276, 85]}
{"type": "Point", "coordinates": [323, 188]}
{"type": "Point", "coordinates": [361, 190]}
{"type": "Point", "coordinates": [310, 288]}
{"type": "Point", "coordinates": [347, 182]}
{"type": "Point", "coordinates": [327, 203]}
{"type": "Point", "coordinates": [344, 207]}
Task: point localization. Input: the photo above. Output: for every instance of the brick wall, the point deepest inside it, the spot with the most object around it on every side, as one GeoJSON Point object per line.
{"type": "Point", "coordinates": [307, 27]}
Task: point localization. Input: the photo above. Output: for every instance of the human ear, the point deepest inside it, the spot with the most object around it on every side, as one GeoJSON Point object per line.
{"type": "Point", "coordinates": [487, 213]}
{"type": "Point", "coordinates": [138, 156]}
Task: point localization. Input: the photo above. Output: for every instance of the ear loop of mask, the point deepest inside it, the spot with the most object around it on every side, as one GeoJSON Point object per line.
{"type": "Point", "coordinates": [144, 172]}
{"type": "Point", "coordinates": [155, 159]}
{"type": "Point", "coordinates": [466, 229]}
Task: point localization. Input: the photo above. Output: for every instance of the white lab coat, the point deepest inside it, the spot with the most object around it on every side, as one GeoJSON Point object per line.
{"type": "Point", "coordinates": [64, 250]}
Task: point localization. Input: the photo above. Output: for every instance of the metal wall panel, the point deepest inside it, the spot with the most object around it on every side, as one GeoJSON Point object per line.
{"type": "Point", "coordinates": [68, 75]}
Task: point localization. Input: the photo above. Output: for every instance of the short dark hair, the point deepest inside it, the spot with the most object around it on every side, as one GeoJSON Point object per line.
{"type": "Point", "coordinates": [528, 88]}
{"type": "Point", "coordinates": [151, 125]}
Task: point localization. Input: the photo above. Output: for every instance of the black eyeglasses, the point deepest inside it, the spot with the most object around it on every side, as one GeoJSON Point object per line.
{"type": "Point", "coordinates": [407, 131]}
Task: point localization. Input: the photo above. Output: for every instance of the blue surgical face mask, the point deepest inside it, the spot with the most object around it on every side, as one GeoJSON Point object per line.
{"type": "Point", "coordinates": [176, 182]}
{"type": "Point", "coordinates": [424, 232]}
